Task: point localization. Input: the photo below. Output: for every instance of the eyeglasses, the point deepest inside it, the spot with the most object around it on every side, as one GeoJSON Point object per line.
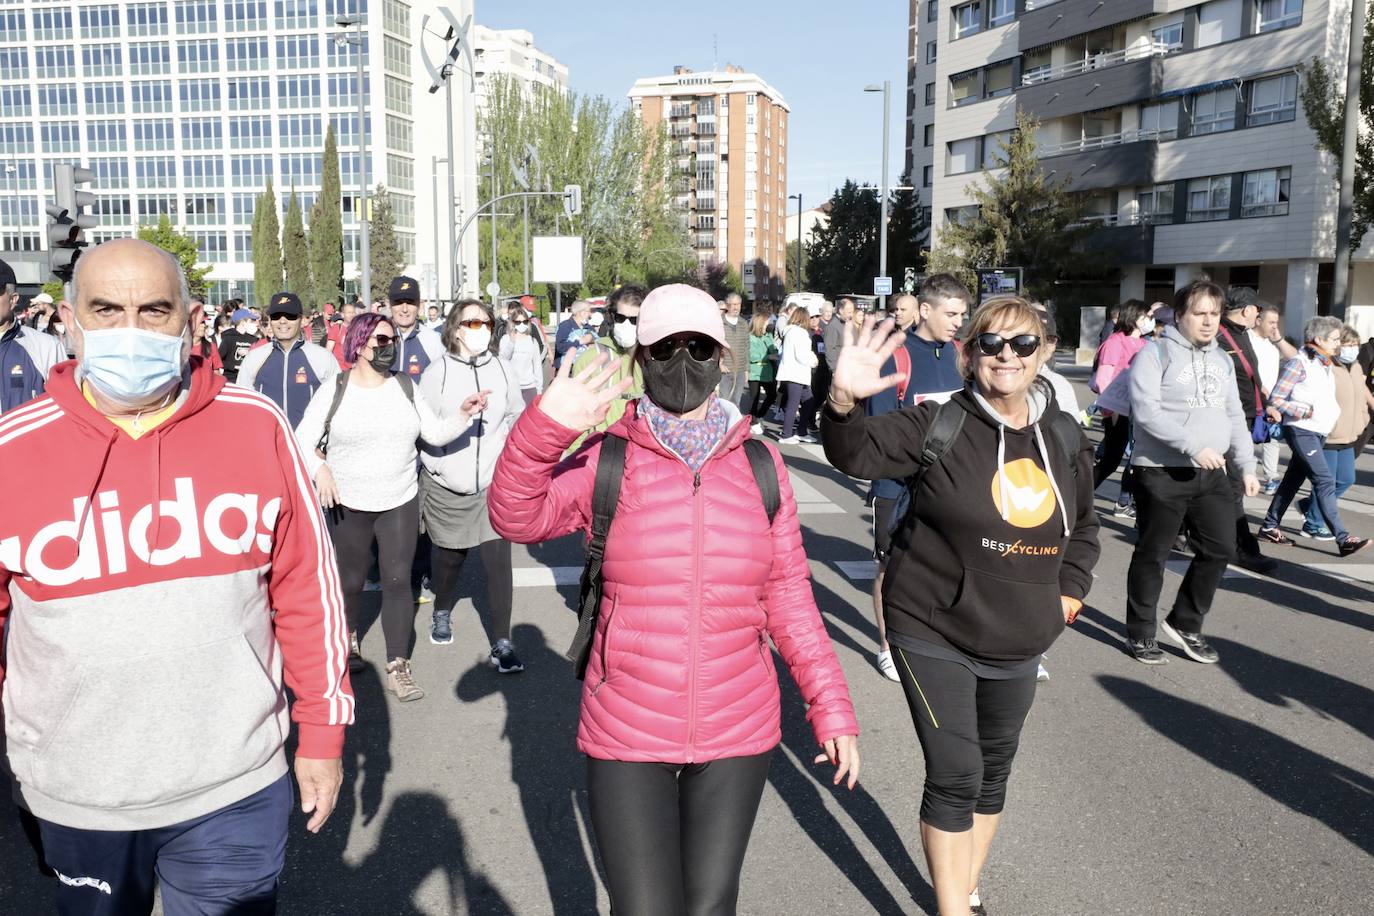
{"type": "Point", "coordinates": [383, 340]}
{"type": "Point", "coordinates": [701, 349]}
{"type": "Point", "coordinates": [1022, 345]}
{"type": "Point", "coordinates": [621, 319]}
{"type": "Point", "coordinates": [473, 324]}
{"type": "Point", "coordinates": [283, 316]}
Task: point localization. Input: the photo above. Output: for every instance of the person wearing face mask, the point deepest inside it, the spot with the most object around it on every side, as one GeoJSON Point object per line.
{"type": "Point", "coordinates": [677, 757]}
{"type": "Point", "coordinates": [26, 356]}
{"type": "Point", "coordinates": [1305, 396]}
{"type": "Point", "coordinates": [1133, 329]}
{"type": "Point", "coordinates": [359, 438]}
{"type": "Point", "coordinates": [623, 306]}
{"type": "Point", "coordinates": [287, 368]}
{"type": "Point", "coordinates": [454, 478]}
{"type": "Point", "coordinates": [235, 343]}
{"type": "Point", "coordinates": [416, 345]}
{"type": "Point", "coordinates": [155, 604]}
{"type": "Point", "coordinates": [523, 349]}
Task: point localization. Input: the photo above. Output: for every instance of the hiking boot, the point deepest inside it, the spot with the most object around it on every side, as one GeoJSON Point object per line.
{"type": "Point", "coordinates": [355, 653]}
{"type": "Point", "coordinates": [1353, 544]}
{"type": "Point", "coordinates": [1192, 644]}
{"type": "Point", "coordinates": [401, 682]}
{"type": "Point", "coordinates": [504, 659]}
{"type": "Point", "coordinates": [440, 630]}
{"type": "Point", "coordinates": [1147, 652]}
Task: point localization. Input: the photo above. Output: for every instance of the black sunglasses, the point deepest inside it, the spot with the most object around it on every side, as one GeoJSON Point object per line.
{"type": "Point", "coordinates": [283, 316]}
{"type": "Point", "coordinates": [701, 349]}
{"type": "Point", "coordinates": [1022, 345]}
{"type": "Point", "coordinates": [621, 319]}
{"type": "Point", "coordinates": [382, 340]}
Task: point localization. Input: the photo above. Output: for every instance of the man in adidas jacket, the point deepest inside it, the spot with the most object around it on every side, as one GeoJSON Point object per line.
{"type": "Point", "coordinates": [160, 595]}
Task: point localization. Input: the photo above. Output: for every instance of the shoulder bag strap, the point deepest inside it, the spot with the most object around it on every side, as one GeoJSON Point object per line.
{"type": "Point", "coordinates": [340, 386]}
{"type": "Point", "coordinates": [765, 475]}
{"type": "Point", "coordinates": [610, 471]}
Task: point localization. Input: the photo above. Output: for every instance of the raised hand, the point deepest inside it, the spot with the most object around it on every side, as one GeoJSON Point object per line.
{"type": "Point", "coordinates": [475, 403]}
{"type": "Point", "coordinates": [858, 372]}
{"type": "Point", "coordinates": [582, 401]}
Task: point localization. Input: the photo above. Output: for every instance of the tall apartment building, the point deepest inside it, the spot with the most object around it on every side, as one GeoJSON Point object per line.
{"type": "Point", "coordinates": [1179, 121]}
{"type": "Point", "coordinates": [728, 136]}
{"type": "Point", "coordinates": [512, 53]}
{"type": "Point", "coordinates": [920, 106]}
{"type": "Point", "coordinates": [186, 108]}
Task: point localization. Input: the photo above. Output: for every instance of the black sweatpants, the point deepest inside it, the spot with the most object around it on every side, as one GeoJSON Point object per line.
{"type": "Point", "coordinates": [1165, 498]}
{"type": "Point", "coordinates": [969, 728]}
{"type": "Point", "coordinates": [672, 837]}
{"type": "Point", "coordinates": [395, 532]}
{"type": "Point", "coordinates": [446, 565]}
{"type": "Point", "coordinates": [1116, 436]}
{"type": "Point", "coordinates": [769, 391]}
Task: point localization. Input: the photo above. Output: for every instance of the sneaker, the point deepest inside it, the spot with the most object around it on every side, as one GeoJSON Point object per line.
{"type": "Point", "coordinates": [1192, 644]}
{"type": "Point", "coordinates": [789, 440]}
{"type": "Point", "coordinates": [1147, 652]}
{"type": "Point", "coordinates": [440, 631]}
{"type": "Point", "coordinates": [1270, 488]}
{"type": "Point", "coordinates": [1274, 536]}
{"type": "Point", "coordinates": [504, 659]}
{"type": "Point", "coordinates": [1042, 673]}
{"type": "Point", "coordinates": [1257, 563]}
{"type": "Point", "coordinates": [1353, 544]}
{"type": "Point", "coordinates": [809, 440]}
{"type": "Point", "coordinates": [886, 666]}
{"type": "Point", "coordinates": [1321, 533]}
{"type": "Point", "coordinates": [355, 653]}
{"type": "Point", "coordinates": [1124, 510]}
{"type": "Point", "coordinates": [401, 682]}
{"type": "Point", "coordinates": [1303, 504]}
{"type": "Point", "coordinates": [756, 429]}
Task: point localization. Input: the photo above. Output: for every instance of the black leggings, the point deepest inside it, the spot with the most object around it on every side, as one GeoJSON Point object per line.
{"type": "Point", "coordinates": [769, 391]}
{"type": "Point", "coordinates": [1116, 435]}
{"type": "Point", "coordinates": [446, 564]}
{"type": "Point", "coordinates": [672, 837]}
{"type": "Point", "coordinates": [969, 728]}
{"type": "Point", "coordinates": [395, 531]}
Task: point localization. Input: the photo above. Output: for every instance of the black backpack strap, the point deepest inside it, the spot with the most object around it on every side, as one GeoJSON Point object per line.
{"type": "Point", "coordinates": [765, 475]}
{"type": "Point", "coordinates": [610, 471]}
{"type": "Point", "coordinates": [944, 429]}
{"type": "Point", "coordinates": [406, 385]}
{"type": "Point", "coordinates": [340, 386]}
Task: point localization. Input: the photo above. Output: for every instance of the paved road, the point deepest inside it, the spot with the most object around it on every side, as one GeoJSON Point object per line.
{"type": "Point", "coordinates": [1242, 788]}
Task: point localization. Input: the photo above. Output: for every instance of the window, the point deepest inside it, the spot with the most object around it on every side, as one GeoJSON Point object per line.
{"type": "Point", "coordinates": [930, 52]}
{"type": "Point", "coordinates": [154, 135]}
{"type": "Point", "coordinates": [102, 60]}
{"type": "Point", "coordinates": [25, 175]}
{"type": "Point", "coordinates": [15, 138]}
{"type": "Point", "coordinates": [156, 172]}
{"type": "Point", "coordinates": [930, 93]}
{"type": "Point", "coordinates": [1265, 193]}
{"type": "Point", "coordinates": [1209, 199]}
{"type": "Point", "coordinates": [57, 100]}
{"type": "Point", "coordinates": [244, 205]}
{"type": "Point", "coordinates": [246, 53]}
{"type": "Point", "coordinates": [398, 95]}
{"type": "Point", "coordinates": [205, 209]}
{"type": "Point", "coordinates": [110, 173]}
{"type": "Point", "coordinates": [242, 15]}
{"type": "Point", "coordinates": [345, 54]}
{"type": "Point", "coordinates": [195, 16]}
{"type": "Point", "coordinates": [202, 171]}
{"type": "Point", "coordinates": [400, 173]}
{"type": "Point", "coordinates": [961, 215]}
{"type": "Point", "coordinates": [298, 52]}
{"type": "Point", "coordinates": [396, 16]}
{"type": "Point", "coordinates": [997, 80]}
{"type": "Point", "coordinates": [1278, 14]}
{"type": "Point", "coordinates": [243, 246]}
{"type": "Point", "coordinates": [151, 58]}
{"type": "Point", "coordinates": [12, 26]}
{"type": "Point", "coordinates": [396, 56]}
{"type": "Point", "coordinates": [298, 92]}
{"type": "Point", "coordinates": [151, 98]}
{"type": "Point", "coordinates": [105, 135]}
{"type": "Point", "coordinates": [112, 211]}
{"type": "Point", "coordinates": [16, 101]}
{"type": "Point", "coordinates": [14, 63]}
{"type": "Point", "coordinates": [55, 62]}
{"type": "Point", "coordinates": [1000, 12]}
{"type": "Point", "coordinates": [1273, 100]}
{"type": "Point", "coordinates": [146, 18]}
{"type": "Point", "coordinates": [964, 88]}
{"type": "Point", "coordinates": [200, 95]}
{"type": "Point", "coordinates": [968, 19]}
{"type": "Point", "coordinates": [926, 176]}
{"type": "Point", "coordinates": [932, 10]}
{"type": "Point", "coordinates": [251, 132]}
{"type": "Point", "coordinates": [198, 56]}
{"type": "Point", "coordinates": [99, 21]}
{"type": "Point", "coordinates": [1156, 205]}
{"type": "Point", "coordinates": [300, 169]}
{"type": "Point", "coordinates": [400, 134]}
{"type": "Point", "coordinates": [152, 207]}
{"type": "Point", "coordinates": [1159, 120]}
{"type": "Point", "coordinates": [297, 14]}
{"type": "Point", "coordinates": [202, 133]}
{"type": "Point", "coordinates": [346, 128]}
{"type": "Point", "coordinates": [213, 247]}
{"type": "Point", "coordinates": [300, 130]}
{"type": "Point", "coordinates": [52, 23]}
{"type": "Point", "coordinates": [1168, 36]}
{"type": "Point", "coordinates": [1214, 111]}
{"type": "Point", "coordinates": [1218, 21]}
{"type": "Point", "coordinates": [105, 98]}
{"type": "Point", "coordinates": [993, 156]}
{"type": "Point", "coordinates": [61, 137]}
{"type": "Point", "coordinates": [249, 93]}
{"type": "Point", "coordinates": [962, 156]}
{"type": "Point", "coordinates": [929, 139]}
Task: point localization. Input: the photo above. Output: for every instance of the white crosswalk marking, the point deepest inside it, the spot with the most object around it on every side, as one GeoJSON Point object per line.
{"type": "Point", "coordinates": [1180, 567]}
{"type": "Point", "coordinates": [1358, 573]}
{"type": "Point", "coordinates": [546, 576]}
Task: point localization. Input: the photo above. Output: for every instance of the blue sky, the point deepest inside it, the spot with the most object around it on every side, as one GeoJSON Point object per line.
{"type": "Point", "coordinates": [819, 55]}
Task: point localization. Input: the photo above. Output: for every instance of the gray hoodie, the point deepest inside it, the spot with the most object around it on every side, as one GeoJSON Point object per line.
{"type": "Point", "coordinates": [1184, 400]}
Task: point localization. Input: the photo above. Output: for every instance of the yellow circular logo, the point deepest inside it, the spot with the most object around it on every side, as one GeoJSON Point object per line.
{"type": "Point", "coordinates": [1028, 491]}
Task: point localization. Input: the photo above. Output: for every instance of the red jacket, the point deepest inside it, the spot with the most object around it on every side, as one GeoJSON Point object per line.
{"type": "Point", "coordinates": [695, 584]}
{"type": "Point", "coordinates": [159, 591]}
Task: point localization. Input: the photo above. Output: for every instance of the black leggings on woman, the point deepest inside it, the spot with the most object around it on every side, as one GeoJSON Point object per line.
{"type": "Point", "coordinates": [672, 837]}
{"type": "Point", "coordinates": [1116, 436]}
{"type": "Point", "coordinates": [969, 728]}
{"type": "Point", "coordinates": [769, 391]}
{"type": "Point", "coordinates": [395, 531]}
{"type": "Point", "coordinates": [446, 565]}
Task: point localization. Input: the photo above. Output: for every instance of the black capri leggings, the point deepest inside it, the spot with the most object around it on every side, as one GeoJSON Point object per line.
{"type": "Point", "coordinates": [672, 837]}
{"type": "Point", "coordinates": [1116, 436]}
{"type": "Point", "coordinates": [395, 531]}
{"type": "Point", "coordinates": [969, 728]}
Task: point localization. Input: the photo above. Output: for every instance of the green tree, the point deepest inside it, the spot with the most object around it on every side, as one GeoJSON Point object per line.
{"type": "Point", "coordinates": [1323, 101]}
{"type": "Point", "coordinates": [326, 229]}
{"type": "Point", "coordinates": [906, 230]}
{"type": "Point", "coordinates": [56, 289]}
{"type": "Point", "coordinates": [183, 248]}
{"type": "Point", "coordinates": [296, 254]}
{"type": "Point", "coordinates": [1024, 220]}
{"type": "Point", "coordinates": [842, 256]}
{"type": "Point", "coordinates": [268, 276]}
{"type": "Point", "coordinates": [384, 248]}
{"type": "Point", "coordinates": [793, 253]}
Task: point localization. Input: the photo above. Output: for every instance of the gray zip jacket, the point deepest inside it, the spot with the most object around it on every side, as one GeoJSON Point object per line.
{"type": "Point", "coordinates": [1184, 400]}
{"type": "Point", "coordinates": [465, 465]}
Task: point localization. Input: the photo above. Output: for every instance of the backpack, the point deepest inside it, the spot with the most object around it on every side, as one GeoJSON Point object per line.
{"type": "Point", "coordinates": [340, 386]}
{"type": "Point", "coordinates": [610, 471]}
{"type": "Point", "coordinates": [948, 423]}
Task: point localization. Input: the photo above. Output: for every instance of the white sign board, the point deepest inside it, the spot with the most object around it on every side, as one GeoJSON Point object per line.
{"type": "Point", "coordinates": [882, 286]}
{"type": "Point", "coordinates": [557, 259]}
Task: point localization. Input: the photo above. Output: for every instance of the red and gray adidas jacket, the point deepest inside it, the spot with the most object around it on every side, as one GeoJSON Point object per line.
{"type": "Point", "coordinates": [158, 592]}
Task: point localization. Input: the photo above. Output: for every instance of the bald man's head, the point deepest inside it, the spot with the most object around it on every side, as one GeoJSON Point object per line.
{"type": "Point", "coordinates": [130, 261]}
{"type": "Point", "coordinates": [128, 283]}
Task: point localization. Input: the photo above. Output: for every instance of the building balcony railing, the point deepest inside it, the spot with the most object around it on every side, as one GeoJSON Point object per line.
{"type": "Point", "coordinates": [1084, 144]}
{"type": "Point", "coordinates": [1107, 220]}
{"type": "Point", "coordinates": [1098, 62]}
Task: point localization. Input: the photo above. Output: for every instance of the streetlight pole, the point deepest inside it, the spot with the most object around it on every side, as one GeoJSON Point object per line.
{"type": "Point", "coordinates": [495, 278]}
{"type": "Point", "coordinates": [364, 243]}
{"type": "Point", "coordinates": [434, 196]}
{"type": "Point", "coordinates": [1340, 286]}
{"type": "Point", "coordinates": [886, 90]}
{"type": "Point", "coordinates": [452, 197]}
{"type": "Point", "coordinates": [800, 253]}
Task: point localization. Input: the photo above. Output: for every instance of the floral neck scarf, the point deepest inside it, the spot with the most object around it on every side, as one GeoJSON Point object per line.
{"type": "Point", "coordinates": [692, 440]}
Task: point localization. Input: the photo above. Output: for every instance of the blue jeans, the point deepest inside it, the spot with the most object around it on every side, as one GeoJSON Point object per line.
{"type": "Point", "coordinates": [1341, 461]}
{"type": "Point", "coordinates": [1308, 462]}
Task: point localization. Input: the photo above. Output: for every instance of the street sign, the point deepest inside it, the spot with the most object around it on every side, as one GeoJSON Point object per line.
{"type": "Point", "coordinates": [999, 282]}
{"type": "Point", "coordinates": [557, 259]}
{"type": "Point", "coordinates": [882, 286]}
{"type": "Point", "coordinates": [493, 290]}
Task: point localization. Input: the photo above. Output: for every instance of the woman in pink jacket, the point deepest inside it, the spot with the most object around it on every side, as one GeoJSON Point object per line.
{"type": "Point", "coordinates": [680, 705]}
{"type": "Point", "coordinates": [1134, 325]}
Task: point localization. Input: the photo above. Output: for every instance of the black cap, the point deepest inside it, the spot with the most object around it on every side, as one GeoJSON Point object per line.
{"type": "Point", "coordinates": [403, 289]}
{"type": "Point", "coordinates": [7, 275]}
{"type": "Point", "coordinates": [1239, 297]}
{"type": "Point", "coordinates": [284, 303]}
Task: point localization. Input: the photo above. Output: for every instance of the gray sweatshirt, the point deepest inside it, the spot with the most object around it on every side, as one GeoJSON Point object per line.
{"type": "Point", "coordinates": [1184, 400]}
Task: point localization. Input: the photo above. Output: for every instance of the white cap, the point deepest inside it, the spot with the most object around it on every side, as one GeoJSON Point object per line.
{"type": "Point", "coordinates": [42, 299]}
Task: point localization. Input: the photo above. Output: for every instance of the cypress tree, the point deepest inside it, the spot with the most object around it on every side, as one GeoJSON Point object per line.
{"type": "Point", "coordinates": [267, 260]}
{"type": "Point", "coordinates": [384, 247]}
{"type": "Point", "coordinates": [326, 229]}
{"type": "Point", "coordinates": [296, 254]}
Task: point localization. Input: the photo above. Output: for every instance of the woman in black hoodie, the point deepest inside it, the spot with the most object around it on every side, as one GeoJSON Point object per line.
{"type": "Point", "coordinates": [993, 557]}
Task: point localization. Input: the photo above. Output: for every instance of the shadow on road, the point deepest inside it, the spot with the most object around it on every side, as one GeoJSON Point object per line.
{"type": "Point", "coordinates": [1305, 782]}
{"type": "Point", "coordinates": [1281, 682]}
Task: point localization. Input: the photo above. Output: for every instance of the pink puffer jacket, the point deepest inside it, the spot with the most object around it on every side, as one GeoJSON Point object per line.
{"type": "Point", "coordinates": [680, 670]}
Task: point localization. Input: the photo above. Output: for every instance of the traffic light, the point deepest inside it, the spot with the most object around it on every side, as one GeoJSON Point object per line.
{"type": "Point", "coordinates": [572, 199]}
{"type": "Point", "coordinates": [66, 232]}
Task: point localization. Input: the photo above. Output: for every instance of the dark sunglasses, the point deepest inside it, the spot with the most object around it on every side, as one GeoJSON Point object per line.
{"type": "Point", "coordinates": [1022, 345]}
{"type": "Point", "coordinates": [518, 321]}
{"type": "Point", "coordinates": [473, 324]}
{"type": "Point", "coordinates": [282, 316]}
{"type": "Point", "coordinates": [701, 349]}
{"type": "Point", "coordinates": [621, 319]}
{"type": "Point", "coordinates": [383, 340]}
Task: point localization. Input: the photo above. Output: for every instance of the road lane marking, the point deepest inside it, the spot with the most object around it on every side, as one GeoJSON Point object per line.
{"type": "Point", "coordinates": [546, 576]}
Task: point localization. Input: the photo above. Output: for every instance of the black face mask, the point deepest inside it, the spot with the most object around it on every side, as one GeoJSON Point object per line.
{"type": "Point", "coordinates": [680, 384]}
{"type": "Point", "coordinates": [382, 358]}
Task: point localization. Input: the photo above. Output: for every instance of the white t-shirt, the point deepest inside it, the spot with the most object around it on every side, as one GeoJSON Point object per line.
{"type": "Point", "coordinates": [1267, 355]}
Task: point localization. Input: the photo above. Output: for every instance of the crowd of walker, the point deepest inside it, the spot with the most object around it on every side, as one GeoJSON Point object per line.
{"type": "Point", "coordinates": [228, 484]}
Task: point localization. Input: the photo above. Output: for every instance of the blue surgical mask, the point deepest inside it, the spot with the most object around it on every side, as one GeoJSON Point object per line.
{"type": "Point", "coordinates": [1349, 354]}
{"type": "Point", "coordinates": [131, 365]}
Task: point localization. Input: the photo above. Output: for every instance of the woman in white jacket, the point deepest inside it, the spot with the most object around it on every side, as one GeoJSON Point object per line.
{"type": "Point", "coordinates": [454, 478]}
{"type": "Point", "coordinates": [794, 375]}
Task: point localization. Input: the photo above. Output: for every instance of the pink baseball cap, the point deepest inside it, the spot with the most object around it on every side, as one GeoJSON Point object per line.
{"type": "Point", "coordinates": [679, 309]}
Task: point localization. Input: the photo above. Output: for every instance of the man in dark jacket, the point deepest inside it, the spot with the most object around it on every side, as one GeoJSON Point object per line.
{"type": "Point", "coordinates": [1242, 310]}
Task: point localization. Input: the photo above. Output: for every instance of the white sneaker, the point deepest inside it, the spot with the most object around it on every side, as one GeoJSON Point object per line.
{"type": "Point", "coordinates": [756, 429]}
{"type": "Point", "coordinates": [886, 666]}
{"type": "Point", "coordinates": [789, 440]}
{"type": "Point", "coordinates": [1041, 674]}
{"type": "Point", "coordinates": [809, 440]}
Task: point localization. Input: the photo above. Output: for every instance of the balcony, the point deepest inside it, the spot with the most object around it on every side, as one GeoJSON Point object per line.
{"type": "Point", "coordinates": [1045, 23]}
{"type": "Point", "coordinates": [1122, 242]}
{"type": "Point", "coordinates": [1094, 90]}
{"type": "Point", "coordinates": [1087, 144]}
{"type": "Point", "coordinates": [1099, 62]}
{"type": "Point", "coordinates": [1126, 165]}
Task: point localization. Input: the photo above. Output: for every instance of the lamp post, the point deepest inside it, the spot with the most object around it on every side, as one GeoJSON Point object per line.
{"type": "Point", "coordinates": [12, 169]}
{"type": "Point", "coordinates": [364, 244]}
{"type": "Point", "coordinates": [886, 90]}
{"type": "Point", "coordinates": [434, 196]}
{"type": "Point", "coordinates": [800, 253]}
